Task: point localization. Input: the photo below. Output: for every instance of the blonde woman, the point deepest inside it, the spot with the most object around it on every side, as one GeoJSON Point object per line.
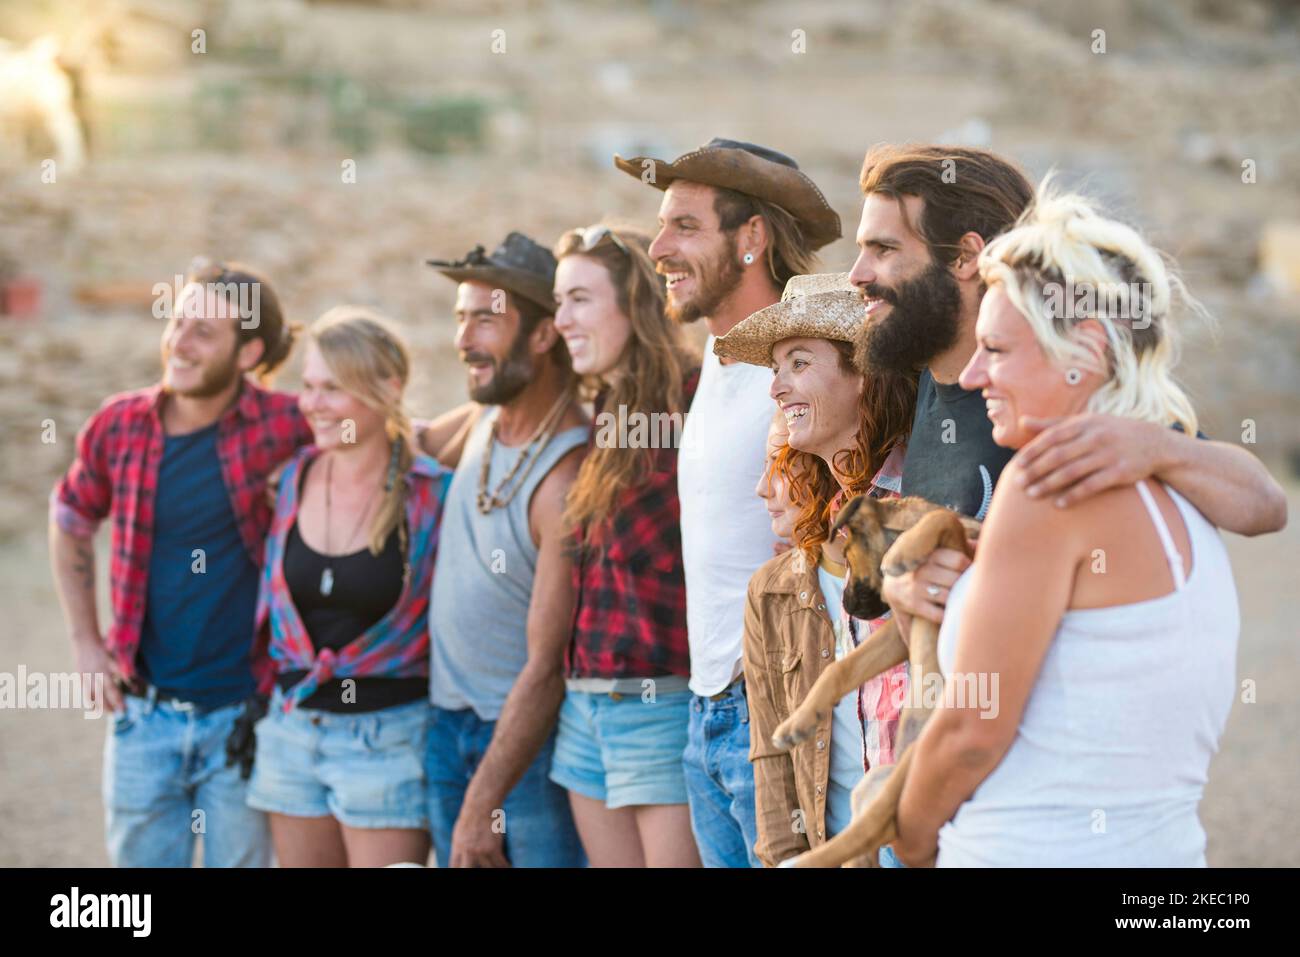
{"type": "Point", "coordinates": [1105, 634]}
{"type": "Point", "coordinates": [345, 586]}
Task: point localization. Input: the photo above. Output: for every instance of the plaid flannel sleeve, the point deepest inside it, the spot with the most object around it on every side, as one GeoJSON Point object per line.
{"type": "Point", "coordinates": [82, 498]}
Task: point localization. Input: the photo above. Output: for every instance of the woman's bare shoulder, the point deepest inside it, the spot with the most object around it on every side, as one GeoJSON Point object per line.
{"type": "Point", "coordinates": [1014, 509]}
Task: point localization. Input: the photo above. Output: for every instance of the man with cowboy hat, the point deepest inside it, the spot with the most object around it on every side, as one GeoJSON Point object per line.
{"type": "Point", "coordinates": [502, 599]}
{"type": "Point", "coordinates": [737, 220]}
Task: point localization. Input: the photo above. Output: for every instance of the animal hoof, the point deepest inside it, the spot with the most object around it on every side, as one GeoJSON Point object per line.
{"type": "Point", "coordinates": [788, 735]}
{"type": "Point", "coordinates": [785, 741]}
{"type": "Point", "coordinates": [902, 567]}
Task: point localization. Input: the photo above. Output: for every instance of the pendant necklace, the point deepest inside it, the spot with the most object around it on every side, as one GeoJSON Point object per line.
{"type": "Point", "coordinates": [327, 574]}
{"type": "Point", "coordinates": [528, 456]}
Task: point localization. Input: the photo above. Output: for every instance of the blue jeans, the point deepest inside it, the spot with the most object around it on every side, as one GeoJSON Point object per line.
{"type": "Point", "coordinates": [166, 782]}
{"type": "Point", "coordinates": [720, 780]}
{"type": "Point", "coordinates": [538, 825]}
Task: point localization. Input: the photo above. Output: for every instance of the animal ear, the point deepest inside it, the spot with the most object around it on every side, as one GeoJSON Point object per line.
{"type": "Point", "coordinates": [846, 513]}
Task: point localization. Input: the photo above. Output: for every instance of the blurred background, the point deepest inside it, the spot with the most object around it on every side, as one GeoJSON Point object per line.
{"type": "Point", "coordinates": [336, 145]}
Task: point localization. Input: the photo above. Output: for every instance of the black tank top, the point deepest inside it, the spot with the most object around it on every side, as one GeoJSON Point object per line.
{"type": "Point", "coordinates": [365, 589]}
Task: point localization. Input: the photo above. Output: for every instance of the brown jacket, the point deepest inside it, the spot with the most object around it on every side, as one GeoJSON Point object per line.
{"type": "Point", "coordinates": [789, 641]}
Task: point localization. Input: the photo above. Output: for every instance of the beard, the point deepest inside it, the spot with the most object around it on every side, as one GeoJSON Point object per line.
{"type": "Point", "coordinates": [510, 376]}
{"type": "Point", "coordinates": [715, 280]}
{"type": "Point", "coordinates": [922, 323]}
{"type": "Point", "coordinates": [215, 379]}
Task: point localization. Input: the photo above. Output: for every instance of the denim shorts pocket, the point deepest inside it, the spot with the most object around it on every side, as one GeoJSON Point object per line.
{"type": "Point", "coordinates": [402, 726]}
{"type": "Point", "coordinates": [125, 720]}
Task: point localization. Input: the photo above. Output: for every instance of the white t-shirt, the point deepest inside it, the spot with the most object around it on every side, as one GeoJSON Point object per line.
{"type": "Point", "coordinates": [846, 729]}
{"type": "Point", "coordinates": [726, 531]}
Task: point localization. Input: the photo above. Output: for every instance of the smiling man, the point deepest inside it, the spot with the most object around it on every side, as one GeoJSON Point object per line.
{"type": "Point", "coordinates": [181, 469]}
{"type": "Point", "coordinates": [736, 222]}
{"type": "Point", "coordinates": [927, 213]}
{"type": "Point", "coordinates": [502, 599]}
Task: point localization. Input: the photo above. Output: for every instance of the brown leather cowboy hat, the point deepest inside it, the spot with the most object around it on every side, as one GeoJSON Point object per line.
{"type": "Point", "coordinates": [519, 265]}
{"type": "Point", "coordinates": [750, 169]}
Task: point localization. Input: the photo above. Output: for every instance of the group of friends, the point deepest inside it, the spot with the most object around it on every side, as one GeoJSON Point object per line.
{"type": "Point", "coordinates": [343, 635]}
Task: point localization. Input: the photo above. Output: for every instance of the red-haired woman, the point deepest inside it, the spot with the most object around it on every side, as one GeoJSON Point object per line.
{"type": "Point", "coordinates": [845, 435]}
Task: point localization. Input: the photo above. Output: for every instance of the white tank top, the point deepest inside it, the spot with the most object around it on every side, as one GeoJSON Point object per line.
{"type": "Point", "coordinates": [1111, 757]}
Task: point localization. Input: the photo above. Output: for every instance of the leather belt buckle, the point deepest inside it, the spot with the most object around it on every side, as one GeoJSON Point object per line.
{"type": "Point", "coordinates": [727, 690]}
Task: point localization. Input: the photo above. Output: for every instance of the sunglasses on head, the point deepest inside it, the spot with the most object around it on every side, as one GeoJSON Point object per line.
{"type": "Point", "coordinates": [593, 236]}
{"type": "Point", "coordinates": [207, 270]}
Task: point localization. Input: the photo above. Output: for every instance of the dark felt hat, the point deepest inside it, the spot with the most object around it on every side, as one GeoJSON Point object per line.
{"type": "Point", "coordinates": [750, 169]}
{"type": "Point", "coordinates": [519, 265]}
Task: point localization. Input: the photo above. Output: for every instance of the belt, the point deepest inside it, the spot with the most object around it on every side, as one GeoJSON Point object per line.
{"type": "Point", "coordinates": [737, 683]}
{"type": "Point", "coordinates": [617, 688]}
{"type": "Point", "coordinates": [154, 697]}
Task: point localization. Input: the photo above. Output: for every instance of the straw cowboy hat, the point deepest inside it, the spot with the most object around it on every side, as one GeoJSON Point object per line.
{"type": "Point", "coordinates": [519, 265]}
{"type": "Point", "coordinates": [820, 306]}
{"type": "Point", "coordinates": [750, 169]}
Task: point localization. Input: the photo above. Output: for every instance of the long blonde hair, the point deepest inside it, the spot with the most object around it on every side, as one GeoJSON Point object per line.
{"type": "Point", "coordinates": [654, 364]}
{"type": "Point", "coordinates": [1061, 244]}
{"type": "Point", "coordinates": [363, 351]}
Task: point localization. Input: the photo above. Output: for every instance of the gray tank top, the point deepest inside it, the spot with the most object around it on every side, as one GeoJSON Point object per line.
{"type": "Point", "coordinates": [483, 578]}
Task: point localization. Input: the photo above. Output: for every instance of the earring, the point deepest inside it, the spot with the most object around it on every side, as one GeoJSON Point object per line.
{"type": "Point", "coordinates": [1073, 376]}
{"type": "Point", "coordinates": [749, 259]}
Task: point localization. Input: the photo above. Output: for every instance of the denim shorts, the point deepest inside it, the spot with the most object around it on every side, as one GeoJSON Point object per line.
{"type": "Point", "coordinates": [365, 770]}
{"type": "Point", "coordinates": [624, 751]}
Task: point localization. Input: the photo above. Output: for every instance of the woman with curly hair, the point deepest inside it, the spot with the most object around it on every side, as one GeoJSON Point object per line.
{"type": "Point", "coordinates": [839, 432]}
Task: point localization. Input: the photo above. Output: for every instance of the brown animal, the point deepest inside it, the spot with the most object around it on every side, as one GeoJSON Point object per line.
{"type": "Point", "coordinates": [896, 535]}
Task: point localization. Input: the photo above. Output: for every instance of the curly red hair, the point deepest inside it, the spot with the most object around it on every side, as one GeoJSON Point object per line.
{"type": "Point", "coordinates": [885, 411]}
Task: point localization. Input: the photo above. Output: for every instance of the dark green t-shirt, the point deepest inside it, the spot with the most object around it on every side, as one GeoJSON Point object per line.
{"type": "Point", "coordinates": [951, 457]}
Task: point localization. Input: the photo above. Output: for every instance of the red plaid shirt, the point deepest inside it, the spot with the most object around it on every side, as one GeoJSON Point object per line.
{"type": "Point", "coordinates": [115, 473]}
{"type": "Point", "coordinates": [629, 588]}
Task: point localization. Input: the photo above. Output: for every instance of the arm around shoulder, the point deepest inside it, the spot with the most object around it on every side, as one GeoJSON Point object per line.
{"type": "Point", "coordinates": [1229, 485]}
{"type": "Point", "coordinates": [444, 438]}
